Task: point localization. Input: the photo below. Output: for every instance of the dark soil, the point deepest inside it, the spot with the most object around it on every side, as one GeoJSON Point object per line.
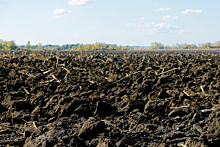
{"type": "Point", "coordinates": [114, 99]}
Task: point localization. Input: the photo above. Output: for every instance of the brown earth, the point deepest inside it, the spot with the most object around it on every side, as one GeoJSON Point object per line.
{"type": "Point", "coordinates": [114, 99]}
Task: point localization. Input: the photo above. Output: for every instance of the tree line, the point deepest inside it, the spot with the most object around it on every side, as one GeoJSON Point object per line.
{"type": "Point", "coordinates": [7, 45]}
{"type": "Point", "coordinates": [11, 45]}
{"type": "Point", "coordinates": [158, 45]}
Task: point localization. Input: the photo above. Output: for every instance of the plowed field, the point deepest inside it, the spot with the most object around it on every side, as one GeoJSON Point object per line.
{"type": "Point", "coordinates": [114, 99]}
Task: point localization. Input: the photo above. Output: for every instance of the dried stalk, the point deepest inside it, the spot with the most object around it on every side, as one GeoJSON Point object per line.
{"type": "Point", "coordinates": [181, 145]}
{"type": "Point", "coordinates": [57, 64]}
{"type": "Point", "coordinates": [181, 64]}
{"type": "Point", "coordinates": [102, 72]}
{"type": "Point", "coordinates": [55, 78]}
{"type": "Point", "coordinates": [207, 110]}
{"type": "Point", "coordinates": [46, 72]}
{"type": "Point", "coordinates": [25, 90]}
{"type": "Point", "coordinates": [34, 125]}
{"type": "Point", "coordinates": [91, 82]}
{"type": "Point", "coordinates": [202, 90]}
{"type": "Point", "coordinates": [30, 75]}
{"type": "Point", "coordinates": [66, 69]}
{"type": "Point", "coordinates": [57, 60]}
{"type": "Point", "coordinates": [167, 71]}
{"type": "Point", "coordinates": [46, 82]}
{"type": "Point", "coordinates": [76, 68]}
{"type": "Point", "coordinates": [179, 107]}
{"type": "Point", "coordinates": [99, 60]}
{"type": "Point", "coordinates": [186, 93]}
{"type": "Point", "coordinates": [60, 64]}
{"type": "Point", "coordinates": [210, 86]}
{"type": "Point", "coordinates": [108, 59]}
{"type": "Point", "coordinates": [125, 107]}
{"type": "Point", "coordinates": [159, 94]}
{"type": "Point", "coordinates": [65, 78]}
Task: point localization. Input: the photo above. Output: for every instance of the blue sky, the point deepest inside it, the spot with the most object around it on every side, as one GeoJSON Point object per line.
{"type": "Point", "coordinates": [124, 22]}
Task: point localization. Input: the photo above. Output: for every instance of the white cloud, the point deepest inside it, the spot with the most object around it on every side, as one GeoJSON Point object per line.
{"type": "Point", "coordinates": [197, 31]}
{"type": "Point", "coordinates": [152, 28]}
{"type": "Point", "coordinates": [129, 24]}
{"type": "Point", "coordinates": [187, 30]}
{"type": "Point", "coordinates": [78, 2]}
{"type": "Point", "coordinates": [61, 11]}
{"type": "Point", "coordinates": [142, 18]}
{"type": "Point", "coordinates": [162, 9]}
{"type": "Point", "coordinates": [57, 17]}
{"type": "Point", "coordinates": [168, 17]}
{"type": "Point", "coordinates": [153, 4]}
{"type": "Point", "coordinates": [190, 11]}
{"type": "Point", "coordinates": [134, 20]}
{"type": "Point", "coordinates": [165, 26]}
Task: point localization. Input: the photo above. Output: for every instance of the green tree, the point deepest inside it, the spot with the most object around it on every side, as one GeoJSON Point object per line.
{"type": "Point", "coordinates": [174, 47]}
{"type": "Point", "coordinates": [93, 47]}
{"type": "Point", "coordinates": [185, 46]}
{"type": "Point", "coordinates": [110, 47]}
{"type": "Point", "coordinates": [88, 47]}
{"type": "Point", "coordinates": [73, 48]}
{"type": "Point", "coordinates": [39, 46]}
{"type": "Point", "coordinates": [218, 44]}
{"type": "Point", "coordinates": [155, 45]}
{"type": "Point", "coordinates": [97, 46]}
{"type": "Point", "coordinates": [28, 45]}
{"type": "Point", "coordinates": [115, 46]}
{"type": "Point", "coordinates": [80, 47]}
{"type": "Point", "coordinates": [120, 47]}
{"type": "Point", "coordinates": [5, 45]}
{"type": "Point", "coordinates": [127, 47]}
{"type": "Point", "coordinates": [11, 45]}
{"type": "Point", "coordinates": [31, 47]}
{"type": "Point", "coordinates": [192, 46]}
{"type": "Point", "coordinates": [1, 44]}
